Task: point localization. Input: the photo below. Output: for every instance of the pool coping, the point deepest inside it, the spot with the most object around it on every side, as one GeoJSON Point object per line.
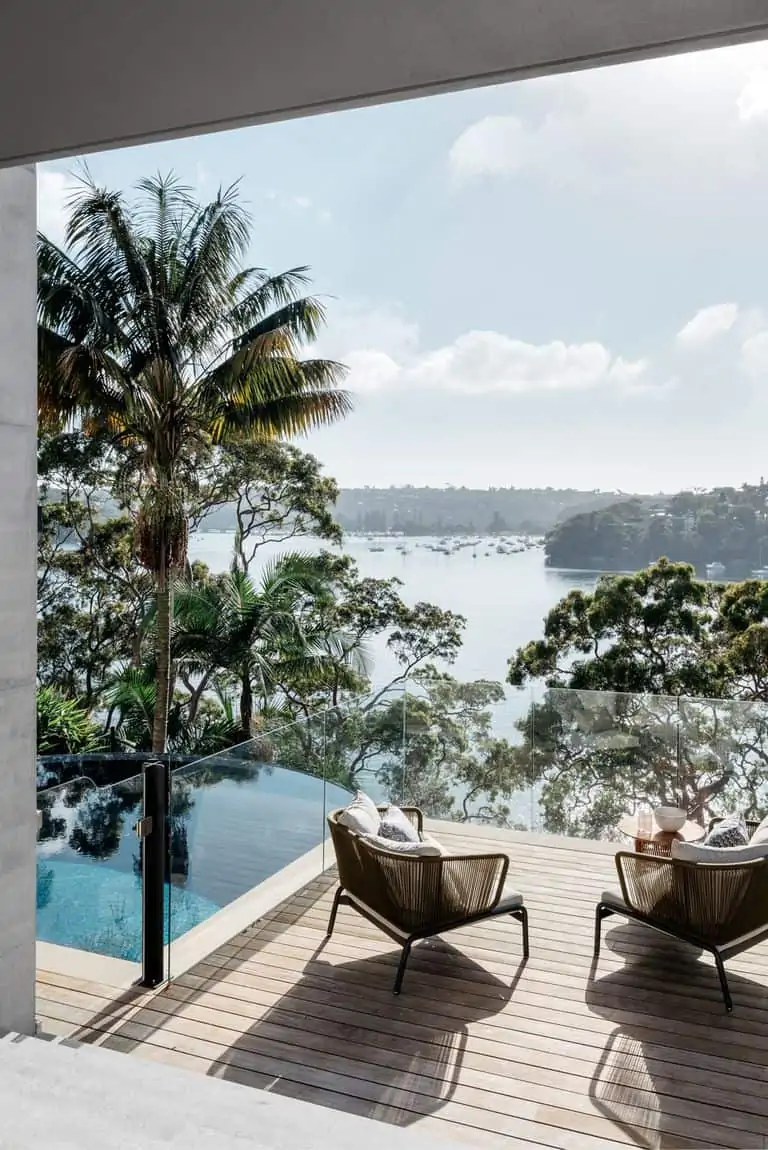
{"type": "Point", "coordinates": [75, 963]}
{"type": "Point", "coordinates": [191, 948]}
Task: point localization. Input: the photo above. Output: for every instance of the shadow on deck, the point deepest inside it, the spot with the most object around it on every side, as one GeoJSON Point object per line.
{"type": "Point", "coordinates": [480, 1047]}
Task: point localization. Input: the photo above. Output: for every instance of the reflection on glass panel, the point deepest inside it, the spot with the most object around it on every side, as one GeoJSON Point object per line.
{"type": "Point", "coordinates": [599, 755]}
{"type": "Point", "coordinates": [240, 816]}
{"type": "Point", "coordinates": [465, 756]}
{"type": "Point", "coordinates": [88, 868]}
{"type": "Point", "coordinates": [724, 757]}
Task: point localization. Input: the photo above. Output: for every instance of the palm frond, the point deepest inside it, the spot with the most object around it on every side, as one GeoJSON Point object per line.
{"type": "Point", "coordinates": [255, 303]}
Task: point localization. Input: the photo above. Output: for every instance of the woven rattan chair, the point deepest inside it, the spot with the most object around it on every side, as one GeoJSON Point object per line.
{"type": "Point", "coordinates": [414, 897]}
{"type": "Point", "coordinates": [721, 908]}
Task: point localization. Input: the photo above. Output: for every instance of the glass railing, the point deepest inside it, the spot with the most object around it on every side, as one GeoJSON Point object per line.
{"type": "Point", "coordinates": [460, 752]}
{"type": "Point", "coordinates": [366, 743]}
{"type": "Point", "coordinates": [562, 762]}
{"type": "Point", "coordinates": [240, 816]}
{"type": "Point", "coordinates": [89, 868]}
{"type": "Point", "coordinates": [599, 756]}
{"type": "Point", "coordinates": [466, 756]}
{"type": "Point", "coordinates": [565, 762]}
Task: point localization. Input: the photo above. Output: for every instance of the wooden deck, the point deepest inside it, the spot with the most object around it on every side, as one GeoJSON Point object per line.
{"type": "Point", "coordinates": [480, 1047]}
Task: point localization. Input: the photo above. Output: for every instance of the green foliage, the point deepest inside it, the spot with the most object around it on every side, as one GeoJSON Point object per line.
{"type": "Point", "coordinates": [64, 726]}
{"type": "Point", "coordinates": [92, 594]}
{"type": "Point", "coordinates": [432, 747]}
{"type": "Point", "coordinates": [234, 630]}
{"type": "Point", "coordinates": [268, 492]}
{"type": "Point", "coordinates": [728, 525]}
{"type": "Point", "coordinates": [596, 755]}
{"type": "Point", "coordinates": [155, 338]}
{"type": "Point", "coordinates": [453, 766]}
{"type": "Point", "coordinates": [657, 690]}
{"type": "Point", "coordinates": [648, 632]}
{"type": "Point", "coordinates": [130, 697]}
{"type": "Point", "coordinates": [343, 622]}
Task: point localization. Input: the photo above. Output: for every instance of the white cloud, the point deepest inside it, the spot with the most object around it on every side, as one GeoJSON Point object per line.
{"type": "Point", "coordinates": [54, 189]}
{"type": "Point", "coordinates": [707, 324]}
{"type": "Point", "coordinates": [493, 146]}
{"type": "Point", "coordinates": [359, 326]}
{"type": "Point", "coordinates": [660, 128]}
{"type": "Point", "coordinates": [754, 354]}
{"type": "Point", "coordinates": [753, 98]}
{"type": "Point", "coordinates": [302, 202]}
{"type": "Point", "coordinates": [371, 370]}
{"type": "Point", "coordinates": [202, 179]}
{"type": "Point", "coordinates": [383, 351]}
{"type": "Point", "coordinates": [481, 362]}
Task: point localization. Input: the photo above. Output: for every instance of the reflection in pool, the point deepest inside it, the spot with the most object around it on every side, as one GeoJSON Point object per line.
{"type": "Point", "coordinates": [232, 826]}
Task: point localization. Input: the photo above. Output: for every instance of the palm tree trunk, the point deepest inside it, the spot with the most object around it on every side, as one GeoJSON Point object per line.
{"type": "Point", "coordinates": [164, 593]}
{"type": "Point", "coordinates": [246, 703]}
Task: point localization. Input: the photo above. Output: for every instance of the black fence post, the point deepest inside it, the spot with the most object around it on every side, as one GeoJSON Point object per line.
{"type": "Point", "coordinates": [153, 834]}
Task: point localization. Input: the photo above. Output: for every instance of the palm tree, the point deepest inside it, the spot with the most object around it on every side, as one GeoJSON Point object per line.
{"type": "Point", "coordinates": [153, 333]}
{"type": "Point", "coordinates": [250, 630]}
{"type": "Point", "coordinates": [130, 697]}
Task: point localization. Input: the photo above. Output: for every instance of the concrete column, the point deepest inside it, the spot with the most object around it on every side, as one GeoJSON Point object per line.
{"type": "Point", "coordinates": [18, 592]}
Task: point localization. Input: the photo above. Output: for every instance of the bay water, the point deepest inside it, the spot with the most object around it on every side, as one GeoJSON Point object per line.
{"type": "Point", "coordinates": [504, 597]}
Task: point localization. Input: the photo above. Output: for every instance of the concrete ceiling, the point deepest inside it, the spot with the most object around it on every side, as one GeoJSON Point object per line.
{"type": "Point", "coordinates": [81, 75]}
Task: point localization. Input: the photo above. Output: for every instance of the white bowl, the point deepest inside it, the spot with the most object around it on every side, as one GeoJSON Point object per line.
{"type": "Point", "coordinates": [669, 818]}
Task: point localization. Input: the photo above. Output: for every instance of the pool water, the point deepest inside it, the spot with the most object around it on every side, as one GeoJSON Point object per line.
{"type": "Point", "coordinates": [230, 829]}
{"type": "Point", "coordinates": [98, 908]}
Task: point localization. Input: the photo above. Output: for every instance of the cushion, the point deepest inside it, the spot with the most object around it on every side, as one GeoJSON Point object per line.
{"type": "Point", "coordinates": [704, 853]}
{"type": "Point", "coordinates": [418, 849]}
{"type": "Point", "coordinates": [761, 834]}
{"type": "Point", "coordinates": [729, 832]}
{"type": "Point", "coordinates": [361, 815]}
{"type": "Point", "coordinates": [397, 826]}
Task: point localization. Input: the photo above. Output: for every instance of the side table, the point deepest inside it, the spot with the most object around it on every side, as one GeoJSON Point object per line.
{"type": "Point", "coordinates": [658, 842]}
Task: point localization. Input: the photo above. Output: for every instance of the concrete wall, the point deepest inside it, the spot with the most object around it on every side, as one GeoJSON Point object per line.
{"type": "Point", "coordinates": [18, 547]}
{"type": "Point", "coordinates": [66, 85]}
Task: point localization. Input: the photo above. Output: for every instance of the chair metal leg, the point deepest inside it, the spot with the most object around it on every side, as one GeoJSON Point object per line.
{"type": "Point", "coordinates": [401, 966]}
{"type": "Point", "coordinates": [522, 917]}
{"type": "Point", "coordinates": [602, 911]}
{"type": "Point", "coordinates": [334, 911]}
{"type": "Point", "coordinates": [723, 981]}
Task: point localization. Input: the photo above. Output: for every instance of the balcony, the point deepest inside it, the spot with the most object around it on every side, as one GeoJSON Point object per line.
{"type": "Point", "coordinates": [557, 1052]}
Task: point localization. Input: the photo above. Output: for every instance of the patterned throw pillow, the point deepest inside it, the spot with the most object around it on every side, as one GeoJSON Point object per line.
{"type": "Point", "coordinates": [397, 827]}
{"type": "Point", "coordinates": [729, 832]}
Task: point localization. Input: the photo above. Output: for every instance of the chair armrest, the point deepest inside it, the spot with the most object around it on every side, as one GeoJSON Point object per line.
{"type": "Point", "coordinates": [413, 814]}
{"type": "Point", "coordinates": [649, 885]}
{"type": "Point", "coordinates": [473, 884]}
{"type": "Point", "coordinates": [416, 817]}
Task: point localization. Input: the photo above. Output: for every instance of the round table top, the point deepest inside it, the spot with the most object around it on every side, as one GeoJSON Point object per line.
{"type": "Point", "coordinates": [689, 832]}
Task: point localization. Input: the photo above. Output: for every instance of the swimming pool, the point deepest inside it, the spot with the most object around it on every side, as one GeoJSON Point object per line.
{"type": "Point", "coordinates": [230, 829]}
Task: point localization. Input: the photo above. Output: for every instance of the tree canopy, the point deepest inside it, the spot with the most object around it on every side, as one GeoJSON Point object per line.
{"type": "Point", "coordinates": [154, 335]}
{"type": "Point", "coordinates": [656, 688]}
{"type": "Point", "coordinates": [727, 525]}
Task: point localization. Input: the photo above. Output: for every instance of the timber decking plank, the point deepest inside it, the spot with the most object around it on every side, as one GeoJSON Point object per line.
{"type": "Point", "coordinates": [479, 1046]}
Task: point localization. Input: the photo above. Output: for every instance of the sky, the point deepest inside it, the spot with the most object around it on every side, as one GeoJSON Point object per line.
{"type": "Point", "coordinates": [557, 282]}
